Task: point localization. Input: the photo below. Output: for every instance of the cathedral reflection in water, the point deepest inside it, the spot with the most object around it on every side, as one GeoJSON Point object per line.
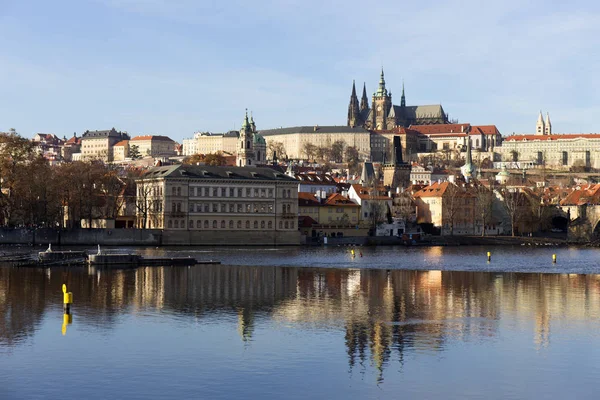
{"type": "Point", "coordinates": [383, 314]}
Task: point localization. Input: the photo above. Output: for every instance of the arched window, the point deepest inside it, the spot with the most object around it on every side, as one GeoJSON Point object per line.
{"type": "Point", "coordinates": [222, 224]}
{"type": "Point", "coordinates": [248, 144]}
{"type": "Point", "coordinates": [206, 224]}
{"type": "Point", "coordinates": [230, 224]}
{"type": "Point", "coordinates": [170, 223]}
{"type": "Point", "coordinates": [255, 224]}
{"type": "Point", "coordinates": [477, 143]}
{"type": "Point", "coordinates": [286, 225]}
{"type": "Point", "coordinates": [262, 224]}
{"type": "Point", "coordinates": [247, 224]}
{"type": "Point", "coordinates": [258, 155]}
{"type": "Point", "coordinates": [215, 224]}
{"type": "Point", "coordinates": [280, 224]}
{"type": "Point", "coordinates": [174, 191]}
{"type": "Point", "coordinates": [178, 191]}
{"type": "Point", "coordinates": [239, 224]}
{"type": "Point", "coordinates": [198, 224]}
{"type": "Point", "coordinates": [270, 224]}
{"type": "Point", "coordinates": [176, 223]}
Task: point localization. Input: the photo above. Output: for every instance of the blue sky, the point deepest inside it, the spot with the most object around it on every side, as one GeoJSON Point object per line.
{"type": "Point", "coordinates": [174, 67]}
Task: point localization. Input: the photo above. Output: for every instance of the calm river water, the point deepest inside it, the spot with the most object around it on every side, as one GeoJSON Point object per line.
{"type": "Point", "coordinates": [288, 323]}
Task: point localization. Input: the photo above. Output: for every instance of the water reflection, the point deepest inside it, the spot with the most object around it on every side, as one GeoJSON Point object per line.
{"type": "Point", "coordinates": [382, 315]}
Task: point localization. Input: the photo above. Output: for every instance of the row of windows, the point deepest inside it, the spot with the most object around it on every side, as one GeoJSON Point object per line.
{"type": "Point", "coordinates": [228, 207]}
{"type": "Point", "coordinates": [206, 224]}
{"type": "Point", "coordinates": [228, 192]}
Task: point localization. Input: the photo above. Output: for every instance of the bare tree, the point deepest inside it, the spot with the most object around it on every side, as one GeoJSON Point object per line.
{"type": "Point", "coordinates": [352, 158]}
{"type": "Point", "coordinates": [309, 150]}
{"type": "Point", "coordinates": [513, 202]}
{"type": "Point", "coordinates": [450, 205]}
{"type": "Point", "coordinates": [484, 199]}
{"type": "Point", "coordinates": [274, 147]}
{"type": "Point", "coordinates": [337, 150]}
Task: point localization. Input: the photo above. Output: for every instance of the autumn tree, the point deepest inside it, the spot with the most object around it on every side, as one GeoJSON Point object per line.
{"type": "Point", "coordinates": [215, 159]}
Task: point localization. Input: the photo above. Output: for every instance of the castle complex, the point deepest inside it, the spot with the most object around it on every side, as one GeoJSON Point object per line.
{"type": "Point", "coordinates": [383, 115]}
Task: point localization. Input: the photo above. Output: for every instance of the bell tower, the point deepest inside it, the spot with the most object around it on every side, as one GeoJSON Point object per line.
{"type": "Point", "coordinates": [382, 103]}
{"type": "Point", "coordinates": [245, 147]}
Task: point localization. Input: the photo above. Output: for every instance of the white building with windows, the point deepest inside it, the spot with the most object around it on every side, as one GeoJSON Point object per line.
{"type": "Point", "coordinates": [204, 204]}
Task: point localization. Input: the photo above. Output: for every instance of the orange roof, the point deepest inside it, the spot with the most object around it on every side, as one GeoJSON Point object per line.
{"type": "Point", "coordinates": [307, 199]}
{"type": "Point", "coordinates": [122, 143]}
{"type": "Point", "coordinates": [152, 137]}
{"type": "Point", "coordinates": [440, 128]}
{"type": "Point", "coordinates": [438, 189]}
{"type": "Point", "coordinates": [485, 129]}
{"type": "Point", "coordinates": [73, 140]}
{"type": "Point", "coordinates": [364, 194]}
{"type": "Point", "coordinates": [589, 194]}
{"type": "Point", "coordinates": [564, 136]}
{"type": "Point", "coordinates": [336, 199]}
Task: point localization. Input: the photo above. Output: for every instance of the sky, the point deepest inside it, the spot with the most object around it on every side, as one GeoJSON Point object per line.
{"type": "Point", "coordinates": [175, 67]}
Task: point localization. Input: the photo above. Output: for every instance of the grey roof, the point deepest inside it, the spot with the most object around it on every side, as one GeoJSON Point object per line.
{"type": "Point", "coordinates": [418, 112]}
{"type": "Point", "coordinates": [103, 134]}
{"type": "Point", "coordinates": [212, 172]}
{"type": "Point", "coordinates": [313, 129]}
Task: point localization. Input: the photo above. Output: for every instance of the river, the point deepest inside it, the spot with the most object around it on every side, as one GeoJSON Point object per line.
{"type": "Point", "coordinates": [301, 323]}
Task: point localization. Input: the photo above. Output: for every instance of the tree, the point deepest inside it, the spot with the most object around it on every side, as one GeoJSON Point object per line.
{"type": "Point", "coordinates": [134, 152]}
{"type": "Point", "coordinates": [513, 202]}
{"type": "Point", "coordinates": [276, 148]}
{"type": "Point", "coordinates": [323, 154]}
{"type": "Point", "coordinates": [309, 150]}
{"type": "Point", "coordinates": [450, 205]}
{"type": "Point", "coordinates": [215, 159]}
{"type": "Point", "coordinates": [484, 199]}
{"type": "Point", "coordinates": [514, 155]}
{"type": "Point", "coordinates": [337, 150]}
{"type": "Point", "coordinates": [352, 158]}
{"type": "Point", "coordinates": [193, 159]}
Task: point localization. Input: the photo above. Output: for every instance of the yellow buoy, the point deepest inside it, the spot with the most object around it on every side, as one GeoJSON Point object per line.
{"type": "Point", "coordinates": [489, 255]}
{"type": "Point", "coordinates": [67, 299]}
{"type": "Point", "coordinates": [554, 258]}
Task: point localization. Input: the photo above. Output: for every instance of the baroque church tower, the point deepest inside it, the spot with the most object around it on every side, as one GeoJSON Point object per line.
{"type": "Point", "coordinates": [245, 147]}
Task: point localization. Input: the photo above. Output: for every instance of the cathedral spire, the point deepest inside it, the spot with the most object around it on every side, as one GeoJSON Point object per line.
{"type": "Point", "coordinates": [353, 108]}
{"type": "Point", "coordinates": [403, 98]}
{"type": "Point", "coordinates": [364, 101]}
{"type": "Point", "coordinates": [540, 128]}
{"type": "Point", "coordinates": [382, 91]}
{"type": "Point", "coordinates": [548, 125]}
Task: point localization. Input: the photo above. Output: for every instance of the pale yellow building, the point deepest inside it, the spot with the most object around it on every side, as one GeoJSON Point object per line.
{"type": "Point", "coordinates": [99, 144]}
{"type": "Point", "coordinates": [221, 201]}
{"type": "Point", "coordinates": [121, 150]}
{"type": "Point", "coordinates": [210, 143]}
{"type": "Point", "coordinates": [154, 145]}
{"type": "Point", "coordinates": [294, 139]}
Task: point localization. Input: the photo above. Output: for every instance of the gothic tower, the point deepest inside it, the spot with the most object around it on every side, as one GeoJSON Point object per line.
{"type": "Point", "coordinates": [382, 103]}
{"type": "Point", "coordinates": [364, 101]}
{"type": "Point", "coordinates": [245, 147]}
{"type": "Point", "coordinates": [353, 109]}
{"type": "Point", "coordinates": [396, 173]}
{"type": "Point", "coordinates": [540, 128]}
{"type": "Point", "coordinates": [403, 98]}
{"type": "Point", "coordinates": [547, 125]}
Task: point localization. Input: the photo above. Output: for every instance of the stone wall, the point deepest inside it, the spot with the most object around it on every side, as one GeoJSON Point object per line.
{"type": "Point", "coordinates": [146, 237]}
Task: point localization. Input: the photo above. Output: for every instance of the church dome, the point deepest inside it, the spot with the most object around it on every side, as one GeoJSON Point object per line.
{"type": "Point", "coordinates": [258, 139]}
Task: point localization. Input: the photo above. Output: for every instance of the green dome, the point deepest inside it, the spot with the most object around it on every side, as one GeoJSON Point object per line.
{"type": "Point", "coordinates": [258, 139]}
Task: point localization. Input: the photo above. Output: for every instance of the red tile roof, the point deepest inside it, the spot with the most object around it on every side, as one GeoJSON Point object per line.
{"type": "Point", "coordinates": [565, 136]}
{"type": "Point", "coordinates": [153, 137]}
{"type": "Point", "coordinates": [122, 143]}
{"type": "Point", "coordinates": [336, 199]}
{"type": "Point", "coordinates": [589, 194]}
